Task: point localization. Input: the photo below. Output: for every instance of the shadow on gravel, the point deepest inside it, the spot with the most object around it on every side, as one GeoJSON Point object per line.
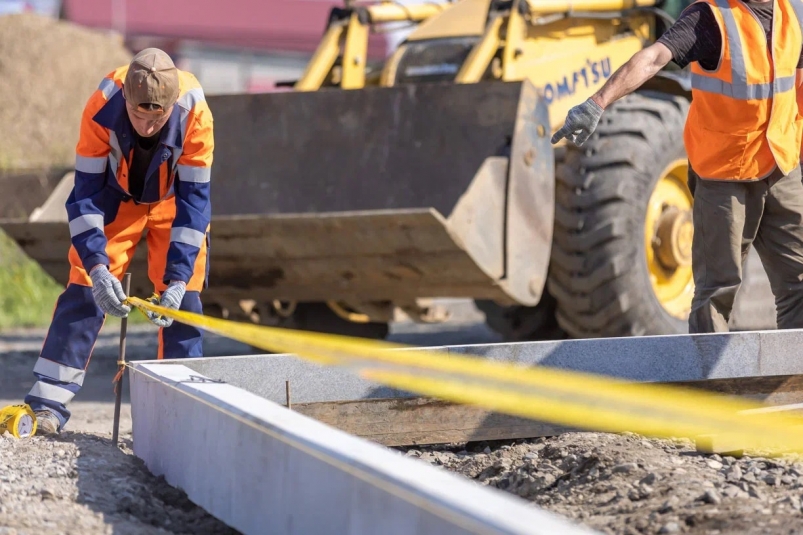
{"type": "Point", "coordinates": [115, 483]}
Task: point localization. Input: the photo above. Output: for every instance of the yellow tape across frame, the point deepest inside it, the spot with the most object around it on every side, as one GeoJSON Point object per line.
{"type": "Point", "coordinates": [572, 399]}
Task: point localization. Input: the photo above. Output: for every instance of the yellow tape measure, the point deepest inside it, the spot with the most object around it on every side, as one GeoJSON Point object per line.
{"type": "Point", "coordinates": [562, 397]}
{"type": "Point", "coordinates": [19, 420]}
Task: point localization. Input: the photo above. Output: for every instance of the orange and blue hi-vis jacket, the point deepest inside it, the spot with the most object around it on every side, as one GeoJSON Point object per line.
{"type": "Point", "coordinates": [181, 167]}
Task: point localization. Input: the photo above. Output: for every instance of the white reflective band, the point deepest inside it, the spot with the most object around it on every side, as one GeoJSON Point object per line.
{"type": "Point", "coordinates": [187, 102]}
{"type": "Point", "coordinates": [183, 129]}
{"type": "Point", "coordinates": [108, 88]}
{"type": "Point", "coordinates": [187, 235]}
{"type": "Point", "coordinates": [59, 372]}
{"type": "Point", "coordinates": [85, 222]}
{"type": "Point", "coordinates": [51, 392]}
{"type": "Point", "coordinates": [192, 97]}
{"type": "Point", "coordinates": [738, 70]}
{"type": "Point", "coordinates": [117, 153]}
{"type": "Point", "coordinates": [742, 91]}
{"type": "Point", "coordinates": [739, 88]}
{"type": "Point", "coordinates": [199, 175]}
{"type": "Point", "coordinates": [87, 164]}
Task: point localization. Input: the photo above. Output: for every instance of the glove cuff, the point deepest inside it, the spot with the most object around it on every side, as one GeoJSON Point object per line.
{"type": "Point", "coordinates": [596, 106]}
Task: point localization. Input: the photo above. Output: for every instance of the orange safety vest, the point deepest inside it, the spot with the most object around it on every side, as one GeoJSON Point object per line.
{"type": "Point", "coordinates": [744, 117]}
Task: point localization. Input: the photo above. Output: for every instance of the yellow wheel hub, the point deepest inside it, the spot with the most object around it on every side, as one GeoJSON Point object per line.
{"type": "Point", "coordinates": [668, 235]}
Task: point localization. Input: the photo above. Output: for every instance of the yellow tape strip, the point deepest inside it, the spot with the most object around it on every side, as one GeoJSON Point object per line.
{"type": "Point", "coordinates": [562, 397]}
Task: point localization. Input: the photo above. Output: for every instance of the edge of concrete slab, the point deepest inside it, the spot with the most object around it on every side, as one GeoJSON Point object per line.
{"type": "Point", "coordinates": [645, 359]}
{"type": "Point", "coordinates": [262, 468]}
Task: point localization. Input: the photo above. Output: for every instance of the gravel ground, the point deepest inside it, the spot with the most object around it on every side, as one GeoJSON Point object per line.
{"type": "Point", "coordinates": [625, 484]}
{"type": "Point", "coordinates": [79, 483]}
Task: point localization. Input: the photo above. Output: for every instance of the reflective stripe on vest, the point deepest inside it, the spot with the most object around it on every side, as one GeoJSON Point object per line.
{"type": "Point", "coordinates": [744, 119]}
{"type": "Point", "coordinates": [739, 88]}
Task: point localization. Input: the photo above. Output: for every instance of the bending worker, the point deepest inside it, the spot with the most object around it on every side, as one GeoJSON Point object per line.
{"type": "Point", "coordinates": [743, 140]}
{"type": "Point", "coordinates": [143, 161]}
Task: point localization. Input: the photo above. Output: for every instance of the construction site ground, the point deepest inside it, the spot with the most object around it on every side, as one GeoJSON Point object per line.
{"type": "Point", "coordinates": [80, 483]}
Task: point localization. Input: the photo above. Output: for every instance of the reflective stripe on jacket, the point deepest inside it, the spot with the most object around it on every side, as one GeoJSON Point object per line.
{"type": "Point", "coordinates": [744, 117]}
{"type": "Point", "coordinates": [181, 167]}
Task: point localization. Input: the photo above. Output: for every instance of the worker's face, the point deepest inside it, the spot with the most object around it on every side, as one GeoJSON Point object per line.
{"type": "Point", "coordinates": [147, 124]}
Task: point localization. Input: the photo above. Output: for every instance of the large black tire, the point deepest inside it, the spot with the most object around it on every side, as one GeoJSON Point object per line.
{"type": "Point", "coordinates": [599, 274]}
{"type": "Point", "coordinates": [521, 323]}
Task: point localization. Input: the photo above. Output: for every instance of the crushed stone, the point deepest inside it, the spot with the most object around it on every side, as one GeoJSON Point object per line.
{"type": "Point", "coordinates": [627, 484]}
{"type": "Point", "coordinates": [80, 483]}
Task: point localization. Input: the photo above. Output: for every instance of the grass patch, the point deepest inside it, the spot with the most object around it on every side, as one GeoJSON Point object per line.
{"type": "Point", "coordinates": [28, 294]}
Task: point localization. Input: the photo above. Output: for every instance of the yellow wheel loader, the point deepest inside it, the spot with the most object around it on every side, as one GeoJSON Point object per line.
{"type": "Point", "coordinates": [370, 188]}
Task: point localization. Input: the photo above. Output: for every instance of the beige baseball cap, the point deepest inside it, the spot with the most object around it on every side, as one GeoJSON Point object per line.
{"type": "Point", "coordinates": [152, 79]}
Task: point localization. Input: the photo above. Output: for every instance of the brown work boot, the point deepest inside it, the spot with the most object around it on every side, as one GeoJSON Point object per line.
{"type": "Point", "coordinates": [46, 423]}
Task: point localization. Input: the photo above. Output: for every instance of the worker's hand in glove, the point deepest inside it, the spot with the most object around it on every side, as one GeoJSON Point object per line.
{"type": "Point", "coordinates": [108, 292]}
{"type": "Point", "coordinates": [171, 298]}
{"type": "Point", "coordinates": [580, 123]}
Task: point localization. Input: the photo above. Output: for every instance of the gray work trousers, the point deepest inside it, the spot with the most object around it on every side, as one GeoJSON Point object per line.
{"type": "Point", "coordinates": [728, 217]}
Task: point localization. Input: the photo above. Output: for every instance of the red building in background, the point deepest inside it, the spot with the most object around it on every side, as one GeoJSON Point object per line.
{"type": "Point", "coordinates": [230, 45]}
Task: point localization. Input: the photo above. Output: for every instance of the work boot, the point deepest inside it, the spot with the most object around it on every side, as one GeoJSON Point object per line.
{"type": "Point", "coordinates": [46, 423]}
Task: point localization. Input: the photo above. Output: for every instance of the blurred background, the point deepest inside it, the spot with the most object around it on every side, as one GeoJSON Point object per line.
{"type": "Point", "coordinates": [54, 53]}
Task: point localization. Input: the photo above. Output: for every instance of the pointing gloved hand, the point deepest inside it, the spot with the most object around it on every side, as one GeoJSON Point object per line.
{"type": "Point", "coordinates": [171, 298]}
{"type": "Point", "coordinates": [580, 123]}
{"type": "Point", "coordinates": [108, 292]}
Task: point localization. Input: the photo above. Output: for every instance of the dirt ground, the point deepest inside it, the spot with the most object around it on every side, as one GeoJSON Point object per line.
{"type": "Point", "coordinates": [79, 483]}
{"type": "Point", "coordinates": [626, 484]}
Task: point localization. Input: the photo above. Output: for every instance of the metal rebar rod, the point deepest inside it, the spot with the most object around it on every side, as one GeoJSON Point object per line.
{"type": "Point", "coordinates": [118, 387]}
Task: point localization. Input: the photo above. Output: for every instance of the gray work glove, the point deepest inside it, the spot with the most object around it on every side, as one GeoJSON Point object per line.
{"type": "Point", "coordinates": [171, 298]}
{"type": "Point", "coordinates": [108, 292]}
{"type": "Point", "coordinates": [580, 123]}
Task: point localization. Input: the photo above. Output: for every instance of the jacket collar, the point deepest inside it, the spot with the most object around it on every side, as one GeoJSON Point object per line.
{"type": "Point", "coordinates": [171, 131]}
{"type": "Point", "coordinates": [114, 116]}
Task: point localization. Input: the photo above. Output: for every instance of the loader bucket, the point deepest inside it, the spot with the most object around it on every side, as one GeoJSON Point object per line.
{"type": "Point", "coordinates": [397, 193]}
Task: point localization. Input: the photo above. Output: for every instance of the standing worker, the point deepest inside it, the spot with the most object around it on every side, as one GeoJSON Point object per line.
{"type": "Point", "coordinates": [143, 161]}
{"type": "Point", "coordinates": [743, 140]}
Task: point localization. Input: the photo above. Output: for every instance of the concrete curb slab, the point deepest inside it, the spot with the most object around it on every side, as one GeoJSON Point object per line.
{"type": "Point", "coordinates": [265, 469]}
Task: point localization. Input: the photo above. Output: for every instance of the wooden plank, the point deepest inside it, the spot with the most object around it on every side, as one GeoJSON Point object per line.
{"type": "Point", "coordinates": [770, 389]}
{"type": "Point", "coordinates": [419, 420]}
{"type": "Point", "coordinates": [412, 421]}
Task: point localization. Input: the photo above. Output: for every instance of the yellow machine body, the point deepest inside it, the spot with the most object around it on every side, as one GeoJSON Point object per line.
{"type": "Point", "coordinates": [378, 184]}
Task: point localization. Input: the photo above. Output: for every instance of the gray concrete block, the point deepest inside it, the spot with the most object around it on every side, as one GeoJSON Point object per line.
{"type": "Point", "coordinates": [780, 352]}
{"type": "Point", "coordinates": [264, 469]}
{"type": "Point", "coordinates": [644, 358]}
{"type": "Point", "coordinates": [648, 359]}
